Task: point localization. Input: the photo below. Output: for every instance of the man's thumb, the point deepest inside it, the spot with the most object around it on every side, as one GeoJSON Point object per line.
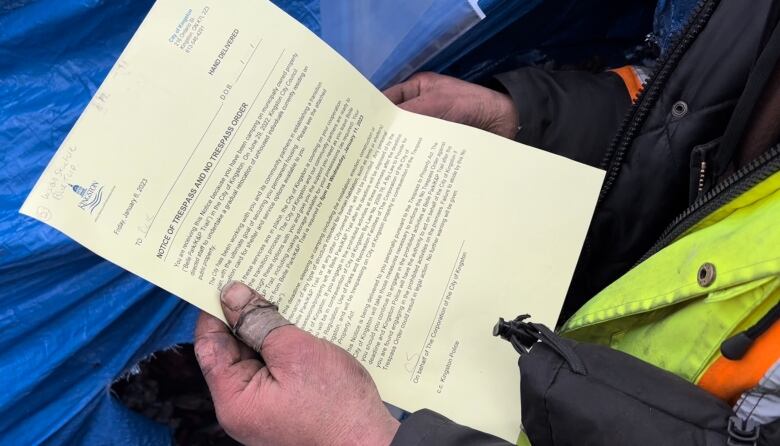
{"type": "Point", "coordinates": [250, 316]}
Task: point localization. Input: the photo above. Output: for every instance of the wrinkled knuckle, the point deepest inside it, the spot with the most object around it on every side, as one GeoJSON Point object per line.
{"type": "Point", "coordinates": [205, 353]}
{"type": "Point", "coordinates": [424, 79]}
{"type": "Point", "coordinates": [203, 342]}
{"type": "Point", "coordinates": [201, 346]}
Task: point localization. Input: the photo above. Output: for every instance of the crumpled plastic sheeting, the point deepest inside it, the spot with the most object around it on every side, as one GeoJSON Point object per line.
{"type": "Point", "coordinates": [550, 33]}
{"type": "Point", "coordinates": [669, 20]}
{"type": "Point", "coordinates": [389, 40]}
{"type": "Point", "coordinates": [71, 322]}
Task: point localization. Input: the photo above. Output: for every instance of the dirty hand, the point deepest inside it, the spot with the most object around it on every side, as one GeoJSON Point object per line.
{"type": "Point", "coordinates": [304, 390]}
{"type": "Point", "coordinates": [455, 100]}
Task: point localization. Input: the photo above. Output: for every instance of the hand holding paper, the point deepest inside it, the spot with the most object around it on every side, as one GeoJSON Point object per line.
{"type": "Point", "coordinates": [229, 143]}
{"type": "Point", "coordinates": [307, 392]}
{"type": "Point", "coordinates": [458, 101]}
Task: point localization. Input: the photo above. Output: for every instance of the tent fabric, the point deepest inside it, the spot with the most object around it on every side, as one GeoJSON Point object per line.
{"type": "Point", "coordinates": [557, 34]}
{"type": "Point", "coordinates": [71, 322]}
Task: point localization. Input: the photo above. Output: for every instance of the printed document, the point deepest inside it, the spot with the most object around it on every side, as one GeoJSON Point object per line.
{"type": "Point", "coordinates": [229, 142]}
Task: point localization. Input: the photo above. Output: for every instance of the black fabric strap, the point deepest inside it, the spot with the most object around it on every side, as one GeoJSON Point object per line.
{"type": "Point", "coordinates": [428, 428]}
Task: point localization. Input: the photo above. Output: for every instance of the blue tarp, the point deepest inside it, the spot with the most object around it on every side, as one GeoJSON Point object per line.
{"type": "Point", "coordinates": [72, 322]}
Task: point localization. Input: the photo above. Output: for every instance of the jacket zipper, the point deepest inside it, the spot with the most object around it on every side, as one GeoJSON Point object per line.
{"type": "Point", "coordinates": [702, 176]}
{"type": "Point", "coordinates": [734, 185]}
{"type": "Point", "coordinates": [701, 169]}
{"type": "Point", "coordinates": [636, 116]}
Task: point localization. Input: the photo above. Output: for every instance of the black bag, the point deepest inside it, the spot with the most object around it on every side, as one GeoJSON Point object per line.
{"type": "Point", "coordinates": [585, 394]}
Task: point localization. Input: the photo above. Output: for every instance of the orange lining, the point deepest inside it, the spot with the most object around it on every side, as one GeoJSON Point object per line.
{"type": "Point", "coordinates": [630, 79]}
{"type": "Point", "coordinates": [728, 379]}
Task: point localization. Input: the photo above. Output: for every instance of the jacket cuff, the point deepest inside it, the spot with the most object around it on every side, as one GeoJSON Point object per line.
{"type": "Point", "coordinates": [426, 427]}
{"type": "Point", "coordinates": [571, 113]}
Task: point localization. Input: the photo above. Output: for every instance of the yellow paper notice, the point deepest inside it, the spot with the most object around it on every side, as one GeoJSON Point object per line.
{"type": "Point", "coordinates": [229, 142]}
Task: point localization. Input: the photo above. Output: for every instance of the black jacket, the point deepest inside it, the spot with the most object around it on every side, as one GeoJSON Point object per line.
{"type": "Point", "coordinates": [695, 107]}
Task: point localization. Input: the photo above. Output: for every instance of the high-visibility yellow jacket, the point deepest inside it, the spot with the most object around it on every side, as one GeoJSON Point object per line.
{"type": "Point", "coordinates": [717, 278]}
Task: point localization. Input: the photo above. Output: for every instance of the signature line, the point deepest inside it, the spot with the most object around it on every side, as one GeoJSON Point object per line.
{"type": "Point", "coordinates": [435, 315]}
{"type": "Point", "coordinates": [248, 61]}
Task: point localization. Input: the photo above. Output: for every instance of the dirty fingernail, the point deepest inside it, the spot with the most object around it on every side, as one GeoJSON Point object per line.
{"type": "Point", "coordinates": [235, 295]}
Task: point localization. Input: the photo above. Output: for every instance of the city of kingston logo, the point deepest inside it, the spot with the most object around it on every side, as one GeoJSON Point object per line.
{"type": "Point", "coordinates": [91, 196]}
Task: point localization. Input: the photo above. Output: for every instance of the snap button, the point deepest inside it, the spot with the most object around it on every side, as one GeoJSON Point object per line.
{"type": "Point", "coordinates": [679, 109]}
{"type": "Point", "coordinates": [706, 274]}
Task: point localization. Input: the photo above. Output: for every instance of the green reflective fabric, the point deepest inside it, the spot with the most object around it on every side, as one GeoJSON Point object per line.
{"type": "Point", "coordinates": [523, 440]}
{"type": "Point", "coordinates": [660, 313]}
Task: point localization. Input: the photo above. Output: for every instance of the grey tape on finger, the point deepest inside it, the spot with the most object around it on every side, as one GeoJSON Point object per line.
{"type": "Point", "coordinates": [258, 318]}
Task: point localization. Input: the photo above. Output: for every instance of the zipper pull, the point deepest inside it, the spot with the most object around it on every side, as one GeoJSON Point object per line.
{"type": "Point", "coordinates": [701, 170]}
{"type": "Point", "coordinates": [702, 177]}
{"type": "Point", "coordinates": [735, 347]}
